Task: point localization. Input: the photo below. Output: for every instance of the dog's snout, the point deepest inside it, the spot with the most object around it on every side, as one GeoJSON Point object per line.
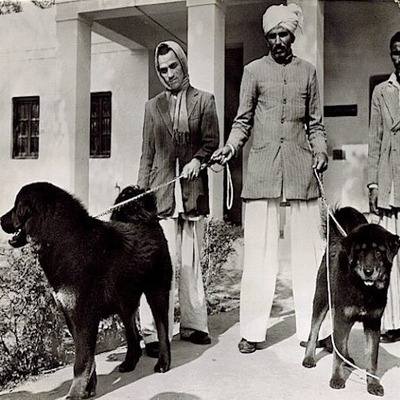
{"type": "Point", "coordinates": [368, 271]}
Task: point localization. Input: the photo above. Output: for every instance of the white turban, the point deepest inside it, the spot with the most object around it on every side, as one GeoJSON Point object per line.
{"type": "Point", "coordinates": [289, 17]}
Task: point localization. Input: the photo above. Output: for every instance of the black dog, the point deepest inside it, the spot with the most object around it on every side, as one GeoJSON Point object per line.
{"type": "Point", "coordinates": [96, 269]}
{"type": "Point", "coordinates": [359, 266]}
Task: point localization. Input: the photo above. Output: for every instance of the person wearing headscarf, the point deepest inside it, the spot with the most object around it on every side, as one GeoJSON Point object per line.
{"type": "Point", "coordinates": [280, 107]}
{"type": "Point", "coordinates": [180, 133]}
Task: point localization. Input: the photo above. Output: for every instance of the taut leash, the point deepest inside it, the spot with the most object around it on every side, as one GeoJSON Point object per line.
{"type": "Point", "coordinates": [176, 178]}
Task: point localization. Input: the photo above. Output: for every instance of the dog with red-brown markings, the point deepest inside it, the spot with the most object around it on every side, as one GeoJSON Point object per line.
{"type": "Point", "coordinates": [96, 269]}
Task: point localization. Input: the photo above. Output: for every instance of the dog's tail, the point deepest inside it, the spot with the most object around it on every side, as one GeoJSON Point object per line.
{"type": "Point", "coordinates": [348, 218]}
{"type": "Point", "coordinates": [143, 208]}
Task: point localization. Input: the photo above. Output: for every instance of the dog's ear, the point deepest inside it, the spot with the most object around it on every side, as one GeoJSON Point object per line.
{"type": "Point", "coordinates": [22, 213]}
{"type": "Point", "coordinates": [393, 245]}
{"type": "Point", "coordinates": [351, 248]}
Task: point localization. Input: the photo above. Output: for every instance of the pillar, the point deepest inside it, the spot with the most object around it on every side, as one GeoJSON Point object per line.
{"type": "Point", "coordinates": [309, 45]}
{"type": "Point", "coordinates": [73, 68]}
{"type": "Point", "coordinates": [206, 60]}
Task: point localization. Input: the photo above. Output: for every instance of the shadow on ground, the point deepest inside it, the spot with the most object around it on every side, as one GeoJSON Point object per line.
{"type": "Point", "coordinates": [182, 352]}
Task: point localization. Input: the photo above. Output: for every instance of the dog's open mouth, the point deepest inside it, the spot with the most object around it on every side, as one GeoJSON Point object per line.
{"type": "Point", "coordinates": [19, 239]}
{"type": "Point", "coordinates": [369, 283]}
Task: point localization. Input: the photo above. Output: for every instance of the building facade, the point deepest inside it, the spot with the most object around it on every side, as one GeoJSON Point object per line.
{"type": "Point", "coordinates": [75, 78]}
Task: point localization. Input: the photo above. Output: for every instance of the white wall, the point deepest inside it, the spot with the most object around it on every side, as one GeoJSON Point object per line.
{"type": "Point", "coordinates": [357, 36]}
{"type": "Point", "coordinates": [124, 73]}
{"type": "Point", "coordinates": [27, 62]}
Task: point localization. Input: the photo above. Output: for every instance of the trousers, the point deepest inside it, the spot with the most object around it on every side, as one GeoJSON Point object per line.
{"type": "Point", "coordinates": [185, 239]}
{"type": "Point", "coordinates": [391, 315]}
{"type": "Point", "coordinates": [261, 264]}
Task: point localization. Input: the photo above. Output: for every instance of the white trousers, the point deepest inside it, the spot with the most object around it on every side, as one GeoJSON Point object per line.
{"type": "Point", "coordinates": [391, 315]}
{"type": "Point", "coordinates": [185, 243]}
{"type": "Point", "coordinates": [261, 236]}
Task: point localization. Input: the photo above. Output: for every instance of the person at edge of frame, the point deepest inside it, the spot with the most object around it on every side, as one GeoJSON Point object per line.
{"type": "Point", "coordinates": [384, 177]}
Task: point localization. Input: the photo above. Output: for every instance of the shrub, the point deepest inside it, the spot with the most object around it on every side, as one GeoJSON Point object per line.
{"type": "Point", "coordinates": [30, 323]}
{"type": "Point", "coordinates": [219, 237]}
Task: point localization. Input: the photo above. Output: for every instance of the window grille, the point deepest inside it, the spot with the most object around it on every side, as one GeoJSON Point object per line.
{"type": "Point", "coordinates": [26, 111]}
{"type": "Point", "coordinates": [100, 125]}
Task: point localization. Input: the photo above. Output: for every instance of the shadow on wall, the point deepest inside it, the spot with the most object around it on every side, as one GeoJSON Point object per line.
{"type": "Point", "coordinates": [345, 181]}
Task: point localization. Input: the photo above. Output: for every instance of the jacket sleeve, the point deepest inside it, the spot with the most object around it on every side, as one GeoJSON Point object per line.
{"type": "Point", "coordinates": [146, 160]}
{"type": "Point", "coordinates": [374, 138]}
{"type": "Point", "coordinates": [209, 130]}
{"type": "Point", "coordinates": [315, 127]}
{"type": "Point", "coordinates": [243, 123]}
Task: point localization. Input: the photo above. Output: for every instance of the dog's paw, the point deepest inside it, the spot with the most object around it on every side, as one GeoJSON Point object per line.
{"type": "Point", "coordinates": [309, 362]}
{"type": "Point", "coordinates": [79, 396]}
{"type": "Point", "coordinates": [337, 383]}
{"type": "Point", "coordinates": [376, 389]}
{"type": "Point", "coordinates": [126, 367]}
{"type": "Point", "coordinates": [162, 367]}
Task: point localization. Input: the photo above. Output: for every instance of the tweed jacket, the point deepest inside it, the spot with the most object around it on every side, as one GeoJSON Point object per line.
{"type": "Point", "coordinates": [384, 142]}
{"type": "Point", "coordinates": [160, 152]}
{"type": "Point", "coordinates": [280, 107]}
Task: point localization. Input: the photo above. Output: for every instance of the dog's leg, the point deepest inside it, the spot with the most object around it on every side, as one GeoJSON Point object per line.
{"type": "Point", "coordinates": [84, 381]}
{"type": "Point", "coordinates": [320, 308]}
{"type": "Point", "coordinates": [317, 319]}
{"type": "Point", "coordinates": [159, 304]}
{"type": "Point", "coordinates": [342, 328]}
{"type": "Point", "coordinates": [372, 333]}
{"type": "Point", "coordinates": [134, 351]}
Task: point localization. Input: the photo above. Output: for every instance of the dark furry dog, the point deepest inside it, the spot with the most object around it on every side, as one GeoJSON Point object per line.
{"type": "Point", "coordinates": [96, 269]}
{"type": "Point", "coordinates": [359, 266]}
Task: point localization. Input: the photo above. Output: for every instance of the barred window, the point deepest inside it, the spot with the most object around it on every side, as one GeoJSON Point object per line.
{"type": "Point", "coordinates": [26, 111]}
{"type": "Point", "coordinates": [100, 125]}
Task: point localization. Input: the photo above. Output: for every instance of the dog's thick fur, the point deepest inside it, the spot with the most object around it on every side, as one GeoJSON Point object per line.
{"type": "Point", "coordinates": [96, 269]}
{"type": "Point", "coordinates": [359, 266]}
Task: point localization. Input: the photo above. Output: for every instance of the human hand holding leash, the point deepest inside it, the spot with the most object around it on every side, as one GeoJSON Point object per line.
{"type": "Point", "coordinates": [223, 154]}
{"type": "Point", "coordinates": [373, 200]}
{"type": "Point", "coordinates": [191, 170]}
{"type": "Point", "coordinates": [320, 163]}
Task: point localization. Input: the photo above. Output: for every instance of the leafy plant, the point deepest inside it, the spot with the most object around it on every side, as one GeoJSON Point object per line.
{"type": "Point", "coordinates": [219, 237]}
{"type": "Point", "coordinates": [30, 324]}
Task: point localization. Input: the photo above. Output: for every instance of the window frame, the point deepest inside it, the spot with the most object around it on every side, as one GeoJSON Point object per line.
{"type": "Point", "coordinates": [103, 121]}
{"type": "Point", "coordinates": [31, 119]}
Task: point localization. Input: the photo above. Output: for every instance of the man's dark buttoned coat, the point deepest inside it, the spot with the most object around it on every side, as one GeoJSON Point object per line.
{"type": "Point", "coordinates": [160, 152]}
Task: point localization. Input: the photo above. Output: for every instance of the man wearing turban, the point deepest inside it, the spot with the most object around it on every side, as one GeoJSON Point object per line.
{"type": "Point", "coordinates": [280, 107]}
{"type": "Point", "coordinates": [180, 133]}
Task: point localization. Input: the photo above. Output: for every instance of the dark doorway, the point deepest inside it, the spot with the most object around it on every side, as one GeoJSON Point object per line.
{"type": "Point", "coordinates": [233, 77]}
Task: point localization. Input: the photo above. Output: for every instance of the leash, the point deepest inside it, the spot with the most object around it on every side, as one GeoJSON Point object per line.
{"type": "Point", "coordinates": [323, 198]}
{"type": "Point", "coordinates": [229, 197]}
{"type": "Point", "coordinates": [330, 306]}
{"type": "Point", "coordinates": [125, 202]}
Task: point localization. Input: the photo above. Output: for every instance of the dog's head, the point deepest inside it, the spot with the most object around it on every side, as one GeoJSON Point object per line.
{"type": "Point", "coordinates": [371, 250]}
{"type": "Point", "coordinates": [34, 205]}
{"type": "Point", "coordinates": [141, 208]}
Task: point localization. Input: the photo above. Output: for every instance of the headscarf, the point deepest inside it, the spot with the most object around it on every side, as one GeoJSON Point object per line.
{"type": "Point", "coordinates": [289, 17]}
{"type": "Point", "coordinates": [180, 123]}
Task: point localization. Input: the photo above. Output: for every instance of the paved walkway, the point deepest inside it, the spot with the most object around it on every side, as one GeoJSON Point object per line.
{"type": "Point", "coordinates": [220, 372]}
